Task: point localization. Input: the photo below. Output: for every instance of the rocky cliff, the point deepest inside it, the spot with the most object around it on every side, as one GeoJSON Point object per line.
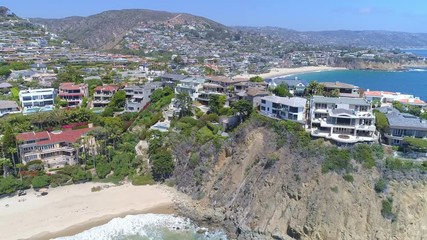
{"type": "Point", "coordinates": [258, 186]}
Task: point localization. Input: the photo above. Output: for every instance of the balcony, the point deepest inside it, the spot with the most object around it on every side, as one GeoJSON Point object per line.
{"type": "Point", "coordinates": [344, 137]}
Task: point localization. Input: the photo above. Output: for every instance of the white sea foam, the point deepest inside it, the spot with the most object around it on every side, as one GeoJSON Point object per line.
{"type": "Point", "coordinates": [417, 70]}
{"type": "Point", "coordinates": [143, 226]}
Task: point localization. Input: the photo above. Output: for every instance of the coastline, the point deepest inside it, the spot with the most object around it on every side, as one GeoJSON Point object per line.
{"type": "Point", "coordinates": [279, 72]}
{"type": "Point", "coordinates": [72, 209]}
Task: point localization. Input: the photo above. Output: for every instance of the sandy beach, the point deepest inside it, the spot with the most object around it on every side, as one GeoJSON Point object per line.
{"type": "Point", "coordinates": [72, 209]}
{"type": "Point", "coordinates": [277, 72]}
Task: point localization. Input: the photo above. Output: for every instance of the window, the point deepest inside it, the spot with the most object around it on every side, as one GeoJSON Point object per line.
{"type": "Point", "coordinates": [262, 108]}
{"type": "Point", "coordinates": [263, 101]}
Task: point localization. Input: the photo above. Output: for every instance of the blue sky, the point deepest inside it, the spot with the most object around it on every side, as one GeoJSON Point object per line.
{"type": "Point", "coordinates": [395, 15]}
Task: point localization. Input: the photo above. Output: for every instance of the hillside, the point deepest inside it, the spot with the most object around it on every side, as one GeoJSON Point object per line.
{"type": "Point", "coordinates": [261, 186]}
{"type": "Point", "coordinates": [384, 39]}
{"type": "Point", "coordinates": [105, 30]}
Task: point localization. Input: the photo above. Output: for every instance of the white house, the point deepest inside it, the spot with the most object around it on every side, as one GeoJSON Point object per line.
{"type": "Point", "coordinates": [289, 108]}
{"type": "Point", "coordinates": [34, 100]}
{"type": "Point", "coordinates": [344, 120]}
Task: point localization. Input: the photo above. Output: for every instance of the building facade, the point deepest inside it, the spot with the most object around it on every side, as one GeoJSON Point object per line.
{"type": "Point", "coordinates": [73, 93]}
{"type": "Point", "coordinates": [35, 100]}
{"type": "Point", "coordinates": [138, 97]}
{"type": "Point", "coordinates": [54, 149]}
{"type": "Point", "coordinates": [288, 108]}
{"type": "Point", "coordinates": [7, 107]}
{"type": "Point", "coordinates": [343, 120]}
{"type": "Point", "coordinates": [403, 125]}
{"type": "Point", "coordinates": [103, 94]}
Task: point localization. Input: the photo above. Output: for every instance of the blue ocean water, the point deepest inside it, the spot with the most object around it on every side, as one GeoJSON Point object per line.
{"type": "Point", "coordinates": [411, 81]}
{"type": "Point", "coordinates": [149, 227]}
{"type": "Point", "coordinates": [422, 53]}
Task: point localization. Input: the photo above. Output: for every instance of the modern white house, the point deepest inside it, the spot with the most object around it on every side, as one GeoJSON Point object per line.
{"type": "Point", "coordinates": [191, 86]}
{"type": "Point", "coordinates": [289, 108]}
{"type": "Point", "coordinates": [343, 120]}
{"type": "Point", "coordinates": [138, 97]}
{"type": "Point", "coordinates": [389, 97]}
{"type": "Point", "coordinates": [35, 100]}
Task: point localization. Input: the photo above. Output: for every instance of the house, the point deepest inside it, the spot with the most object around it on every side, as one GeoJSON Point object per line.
{"type": "Point", "coordinates": [191, 86]}
{"type": "Point", "coordinates": [73, 93]}
{"type": "Point", "coordinates": [390, 97]}
{"type": "Point", "coordinates": [295, 86]}
{"type": "Point", "coordinates": [36, 100]}
{"type": "Point", "coordinates": [171, 79]}
{"type": "Point", "coordinates": [103, 94]}
{"type": "Point", "coordinates": [218, 85]}
{"type": "Point", "coordinates": [7, 107]}
{"type": "Point", "coordinates": [5, 87]}
{"type": "Point", "coordinates": [289, 108]}
{"type": "Point", "coordinates": [345, 89]}
{"type": "Point", "coordinates": [403, 125]}
{"type": "Point", "coordinates": [138, 97]}
{"type": "Point", "coordinates": [55, 149]}
{"type": "Point", "coordinates": [253, 95]}
{"type": "Point", "coordinates": [343, 120]}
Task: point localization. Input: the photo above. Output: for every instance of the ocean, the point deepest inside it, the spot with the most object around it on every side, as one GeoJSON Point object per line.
{"type": "Point", "coordinates": [149, 227]}
{"type": "Point", "coordinates": [422, 53]}
{"type": "Point", "coordinates": [410, 81]}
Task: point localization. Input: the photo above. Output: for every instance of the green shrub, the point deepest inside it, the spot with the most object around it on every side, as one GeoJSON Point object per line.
{"type": "Point", "coordinates": [40, 181]}
{"type": "Point", "coordinates": [210, 117]}
{"type": "Point", "coordinates": [143, 180]}
{"type": "Point", "coordinates": [194, 159]}
{"type": "Point", "coordinates": [380, 186]}
{"type": "Point", "coordinates": [387, 209]}
{"type": "Point", "coordinates": [59, 179]}
{"type": "Point", "coordinates": [348, 178]}
{"type": "Point", "coordinates": [336, 160]}
{"type": "Point", "coordinates": [96, 189]}
{"type": "Point", "coordinates": [364, 154]}
{"type": "Point", "coordinates": [103, 169]}
{"type": "Point", "coordinates": [204, 135]}
{"type": "Point", "coordinates": [225, 111]}
{"type": "Point", "coordinates": [334, 189]}
{"type": "Point", "coordinates": [9, 185]}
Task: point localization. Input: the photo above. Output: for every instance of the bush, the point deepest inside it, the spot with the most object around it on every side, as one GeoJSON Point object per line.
{"type": "Point", "coordinates": [59, 179]}
{"type": "Point", "coordinates": [194, 159]}
{"type": "Point", "coordinates": [204, 135]}
{"type": "Point", "coordinates": [143, 180]}
{"type": "Point", "coordinates": [364, 154]}
{"type": "Point", "coordinates": [336, 160]}
{"type": "Point", "coordinates": [96, 189]}
{"type": "Point", "coordinates": [387, 209]}
{"type": "Point", "coordinates": [225, 111]}
{"type": "Point", "coordinates": [272, 158]}
{"type": "Point", "coordinates": [348, 178]}
{"type": "Point", "coordinates": [40, 181]}
{"type": "Point", "coordinates": [103, 169]}
{"type": "Point", "coordinates": [9, 185]}
{"type": "Point", "coordinates": [213, 117]}
{"type": "Point", "coordinates": [380, 186]}
{"type": "Point", "coordinates": [162, 165]}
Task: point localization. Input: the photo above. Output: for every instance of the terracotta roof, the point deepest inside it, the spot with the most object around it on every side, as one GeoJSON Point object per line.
{"type": "Point", "coordinates": [378, 93]}
{"type": "Point", "coordinates": [108, 88]}
{"type": "Point", "coordinates": [412, 101]}
{"type": "Point", "coordinates": [70, 136]}
{"type": "Point", "coordinates": [72, 86]}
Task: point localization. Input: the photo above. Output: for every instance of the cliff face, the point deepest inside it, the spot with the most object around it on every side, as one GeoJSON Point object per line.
{"type": "Point", "coordinates": [258, 191]}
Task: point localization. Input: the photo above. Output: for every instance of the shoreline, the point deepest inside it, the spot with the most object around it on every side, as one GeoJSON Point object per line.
{"type": "Point", "coordinates": [95, 222]}
{"type": "Point", "coordinates": [280, 72]}
{"type": "Point", "coordinates": [69, 210]}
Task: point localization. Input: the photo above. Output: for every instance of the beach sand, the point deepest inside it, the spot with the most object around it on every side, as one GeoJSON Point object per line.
{"type": "Point", "coordinates": [72, 209]}
{"type": "Point", "coordinates": [278, 72]}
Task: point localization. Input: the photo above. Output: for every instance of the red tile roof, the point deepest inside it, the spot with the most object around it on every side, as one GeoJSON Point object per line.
{"type": "Point", "coordinates": [72, 86]}
{"type": "Point", "coordinates": [108, 88]}
{"type": "Point", "coordinates": [413, 101]}
{"type": "Point", "coordinates": [70, 136]}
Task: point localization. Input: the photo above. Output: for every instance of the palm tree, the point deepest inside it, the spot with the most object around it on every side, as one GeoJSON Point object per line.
{"type": "Point", "coordinates": [20, 166]}
{"type": "Point", "coordinates": [5, 164]}
{"type": "Point", "coordinates": [12, 151]}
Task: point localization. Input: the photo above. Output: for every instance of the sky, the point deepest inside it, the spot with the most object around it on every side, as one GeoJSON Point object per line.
{"type": "Point", "coordinates": [302, 15]}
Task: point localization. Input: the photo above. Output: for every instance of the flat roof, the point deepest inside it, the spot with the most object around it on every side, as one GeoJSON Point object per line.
{"type": "Point", "coordinates": [289, 101]}
{"type": "Point", "coordinates": [340, 100]}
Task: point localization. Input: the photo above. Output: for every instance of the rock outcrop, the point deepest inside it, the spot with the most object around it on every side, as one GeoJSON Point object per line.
{"type": "Point", "coordinates": [259, 191]}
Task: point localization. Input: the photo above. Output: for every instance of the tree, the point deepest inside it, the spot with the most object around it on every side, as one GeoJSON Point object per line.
{"type": "Point", "coordinates": [334, 93]}
{"type": "Point", "coordinates": [5, 163]}
{"type": "Point", "coordinates": [243, 108]}
{"type": "Point", "coordinates": [40, 181]}
{"type": "Point", "coordinates": [282, 90]}
{"type": "Point", "coordinates": [381, 121]}
{"type": "Point", "coordinates": [216, 102]}
{"type": "Point", "coordinates": [162, 165]}
{"type": "Point", "coordinates": [315, 88]}
{"type": "Point", "coordinates": [69, 74]}
{"type": "Point", "coordinates": [184, 104]}
{"type": "Point", "coordinates": [256, 79]}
